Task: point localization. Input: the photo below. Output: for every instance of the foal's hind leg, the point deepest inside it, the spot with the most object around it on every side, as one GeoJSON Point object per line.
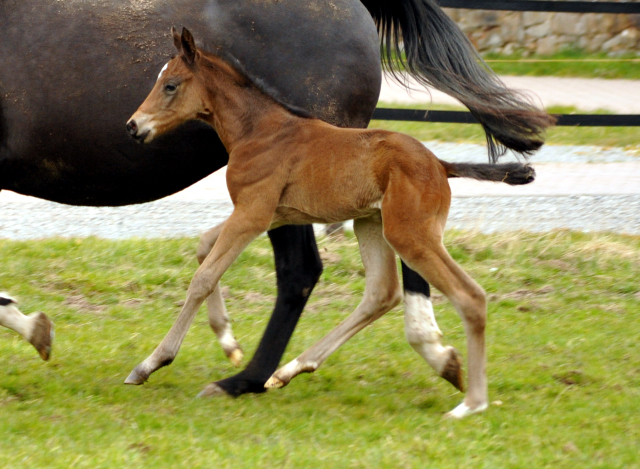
{"type": "Point", "coordinates": [422, 331]}
{"type": "Point", "coordinates": [36, 328]}
{"type": "Point", "coordinates": [423, 251]}
{"type": "Point", "coordinates": [216, 310]}
{"type": "Point", "coordinates": [382, 292]}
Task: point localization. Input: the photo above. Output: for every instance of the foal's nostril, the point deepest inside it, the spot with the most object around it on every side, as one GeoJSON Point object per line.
{"type": "Point", "coordinates": [132, 127]}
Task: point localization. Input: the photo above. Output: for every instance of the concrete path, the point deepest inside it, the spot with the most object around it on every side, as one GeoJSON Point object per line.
{"type": "Point", "coordinates": [619, 96]}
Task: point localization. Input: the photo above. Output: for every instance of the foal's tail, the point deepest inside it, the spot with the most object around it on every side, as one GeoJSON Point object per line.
{"type": "Point", "coordinates": [512, 173]}
{"type": "Point", "coordinates": [439, 54]}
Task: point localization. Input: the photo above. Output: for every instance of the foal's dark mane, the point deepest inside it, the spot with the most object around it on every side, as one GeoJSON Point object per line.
{"type": "Point", "coordinates": [256, 82]}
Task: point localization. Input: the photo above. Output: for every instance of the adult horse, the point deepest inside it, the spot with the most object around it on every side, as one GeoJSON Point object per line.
{"type": "Point", "coordinates": [72, 72]}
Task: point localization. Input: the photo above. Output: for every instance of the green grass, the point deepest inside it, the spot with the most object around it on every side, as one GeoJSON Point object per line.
{"type": "Point", "coordinates": [569, 63]}
{"type": "Point", "coordinates": [625, 137]}
{"type": "Point", "coordinates": [562, 347]}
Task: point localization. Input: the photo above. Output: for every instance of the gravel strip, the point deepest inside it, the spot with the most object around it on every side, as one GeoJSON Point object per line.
{"type": "Point", "coordinates": [470, 152]}
{"type": "Point", "coordinates": [176, 218]}
{"type": "Point", "coordinates": [587, 213]}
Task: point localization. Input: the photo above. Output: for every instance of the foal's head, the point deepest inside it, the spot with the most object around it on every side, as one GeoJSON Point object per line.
{"type": "Point", "coordinates": [178, 95]}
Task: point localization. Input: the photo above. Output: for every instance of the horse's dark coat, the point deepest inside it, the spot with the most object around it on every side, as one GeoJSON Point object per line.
{"type": "Point", "coordinates": [73, 72]}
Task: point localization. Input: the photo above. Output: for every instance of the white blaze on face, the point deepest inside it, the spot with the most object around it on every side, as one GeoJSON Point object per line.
{"type": "Point", "coordinates": [163, 70]}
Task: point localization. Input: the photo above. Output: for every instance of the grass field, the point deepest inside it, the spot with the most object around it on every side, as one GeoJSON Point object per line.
{"type": "Point", "coordinates": [564, 368]}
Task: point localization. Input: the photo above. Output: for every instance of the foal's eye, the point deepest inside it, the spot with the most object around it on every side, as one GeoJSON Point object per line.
{"type": "Point", "coordinates": [170, 88]}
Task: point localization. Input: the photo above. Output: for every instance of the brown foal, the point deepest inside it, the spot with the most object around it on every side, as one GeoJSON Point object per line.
{"type": "Point", "coordinates": [287, 168]}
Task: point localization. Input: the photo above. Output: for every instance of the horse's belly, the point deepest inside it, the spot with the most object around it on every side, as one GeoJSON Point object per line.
{"type": "Point", "coordinates": [294, 216]}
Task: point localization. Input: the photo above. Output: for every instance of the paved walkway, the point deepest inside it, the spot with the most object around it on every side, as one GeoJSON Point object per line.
{"type": "Point", "coordinates": [586, 94]}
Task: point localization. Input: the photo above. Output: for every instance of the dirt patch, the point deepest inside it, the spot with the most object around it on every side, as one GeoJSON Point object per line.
{"type": "Point", "coordinates": [329, 257]}
{"type": "Point", "coordinates": [573, 378]}
{"type": "Point", "coordinates": [140, 447]}
{"type": "Point", "coordinates": [528, 293]}
{"type": "Point", "coordinates": [255, 297]}
{"type": "Point", "coordinates": [81, 304]}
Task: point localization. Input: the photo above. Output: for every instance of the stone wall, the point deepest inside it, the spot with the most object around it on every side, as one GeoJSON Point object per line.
{"type": "Point", "coordinates": [546, 33]}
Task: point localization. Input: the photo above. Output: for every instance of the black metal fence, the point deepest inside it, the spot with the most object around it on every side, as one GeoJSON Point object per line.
{"type": "Point", "coordinates": [461, 117]}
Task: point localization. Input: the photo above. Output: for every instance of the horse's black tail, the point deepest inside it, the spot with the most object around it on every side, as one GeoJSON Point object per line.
{"type": "Point", "coordinates": [514, 174]}
{"type": "Point", "coordinates": [437, 53]}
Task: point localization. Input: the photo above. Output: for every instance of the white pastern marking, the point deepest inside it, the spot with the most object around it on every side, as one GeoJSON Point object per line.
{"type": "Point", "coordinates": [163, 70]}
{"type": "Point", "coordinates": [291, 368]}
{"type": "Point", "coordinates": [422, 331]}
{"type": "Point", "coordinates": [463, 411]}
{"type": "Point", "coordinates": [419, 317]}
{"type": "Point", "coordinates": [227, 340]}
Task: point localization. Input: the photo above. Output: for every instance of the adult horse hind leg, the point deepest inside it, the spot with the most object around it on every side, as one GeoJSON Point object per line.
{"type": "Point", "coordinates": [422, 331]}
{"type": "Point", "coordinates": [36, 328]}
{"type": "Point", "coordinates": [216, 310]}
{"type": "Point", "coordinates": [382, 292]}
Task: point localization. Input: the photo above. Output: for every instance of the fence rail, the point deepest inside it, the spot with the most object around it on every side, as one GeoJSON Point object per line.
{"type": "Point", "coordinates": [548, 6]}
{"type": "Point", "coordinates": [461, 117]}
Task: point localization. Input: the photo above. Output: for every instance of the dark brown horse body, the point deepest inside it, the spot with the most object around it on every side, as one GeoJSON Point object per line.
{"type": "Point", "coordinates": [72, 72]}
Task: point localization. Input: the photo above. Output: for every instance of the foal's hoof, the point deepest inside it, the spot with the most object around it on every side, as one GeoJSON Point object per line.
{"type": "Point", "coordinates": [235, 357]}
{"type": "Point", "coordinates": [136, 377]}
{"type": "Point", "coordinates": [212, 390]}
{"type": "Point", "coordinates": [452, 370]}
{"type": "Point", "coordinates": [274, 383]}
{"type": "Point", "coordinates": [42, 335]}
{"type": "Point", "coordinates": [463, 411]}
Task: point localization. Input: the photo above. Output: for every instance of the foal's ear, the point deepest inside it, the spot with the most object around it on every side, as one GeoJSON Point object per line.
{"type": "Point", "coordinates": [177, 41]}
{"type": "Point", "coordinates": [188, 46]}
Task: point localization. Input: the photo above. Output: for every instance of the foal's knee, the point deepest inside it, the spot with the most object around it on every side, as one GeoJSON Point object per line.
{"type": "Point", "coordinates": [203, 251]}
{"type": "Point", "coordinates": [206, 243]}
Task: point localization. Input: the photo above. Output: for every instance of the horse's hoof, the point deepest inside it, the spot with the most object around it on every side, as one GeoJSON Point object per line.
{"type": "Point", "coordinates": [463, 411]}
{"type": "Point", "coordinates": [274, 383]}
{"type": "Point", "coordinates": [236, 357]}
{"type": "Point", "coordinates": [212, 390]}
{"type": "Point", "coordinates": [42, 335]}
{"type": "Point", "coordinates": [135, 377]}
{"type": "Point", "coordinates": [452, 370]}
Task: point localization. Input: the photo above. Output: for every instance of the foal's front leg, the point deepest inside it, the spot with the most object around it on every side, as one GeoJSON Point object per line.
{"type": "Point", "coordinates": [216, 310]}
{"type": "Point", "coordinates": [239, 230]}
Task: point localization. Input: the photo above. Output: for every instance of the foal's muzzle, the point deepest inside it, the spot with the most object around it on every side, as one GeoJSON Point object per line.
{"type": "Point", "coordinates": [134, 131]}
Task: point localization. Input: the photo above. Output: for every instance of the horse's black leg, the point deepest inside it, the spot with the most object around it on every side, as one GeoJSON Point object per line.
{"type": "Point", "coordinates": [412, 282]}
{"type": "Point", "coordinates": [298, 268]}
